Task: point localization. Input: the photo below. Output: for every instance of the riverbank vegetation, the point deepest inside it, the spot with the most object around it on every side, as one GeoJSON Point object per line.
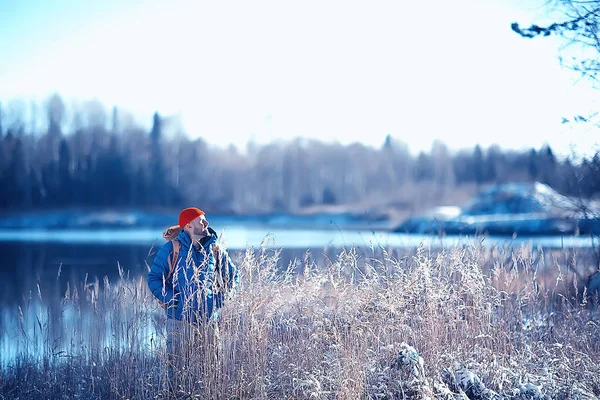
{"type": "Point", "coordinates": [467, 322]}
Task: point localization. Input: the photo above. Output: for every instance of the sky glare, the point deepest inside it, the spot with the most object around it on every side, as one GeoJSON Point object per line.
{"type": "Point", "coordinates": [332, 70]}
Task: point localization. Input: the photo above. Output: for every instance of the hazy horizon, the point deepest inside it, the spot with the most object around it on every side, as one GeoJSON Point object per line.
{"type": "Point", "coordinates": [335, 71]}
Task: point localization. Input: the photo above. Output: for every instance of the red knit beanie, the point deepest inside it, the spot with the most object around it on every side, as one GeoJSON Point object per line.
{"type": "Point", "coordinates": [188, 215]}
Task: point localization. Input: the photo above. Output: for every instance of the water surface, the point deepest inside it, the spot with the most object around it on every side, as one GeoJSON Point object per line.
{"type": "Point", "coordinates": [44, 263]}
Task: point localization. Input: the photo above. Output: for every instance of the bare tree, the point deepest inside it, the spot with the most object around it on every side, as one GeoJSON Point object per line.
{"type": "Point", "coordinates": [442, 167]}
{"type": "Point", "coordinates": [579, 25]}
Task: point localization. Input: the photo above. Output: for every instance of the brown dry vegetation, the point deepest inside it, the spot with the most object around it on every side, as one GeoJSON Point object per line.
{"type": "Point", "coordinates": [482, 323]}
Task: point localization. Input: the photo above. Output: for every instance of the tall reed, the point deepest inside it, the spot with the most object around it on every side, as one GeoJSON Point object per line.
{"type": "Point", "coordinates": [333, 328]}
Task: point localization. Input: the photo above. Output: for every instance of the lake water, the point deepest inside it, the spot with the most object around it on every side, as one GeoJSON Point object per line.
{"type": "Point", "coordinates": [38, 261]}
{"type": "Point", "coordinates": [32, 256]}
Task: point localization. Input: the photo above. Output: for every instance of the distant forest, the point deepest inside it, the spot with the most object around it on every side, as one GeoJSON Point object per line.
{"type": "Point", "coordinates": [101, 160]}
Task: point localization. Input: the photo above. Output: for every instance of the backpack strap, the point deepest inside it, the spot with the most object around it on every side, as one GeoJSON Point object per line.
{"type": "Point", "coordinates": [218, 273]}
{"type": "Point", "coordinates": [217, 254]}
{"type": "Point", "coordinates": [173, 257]}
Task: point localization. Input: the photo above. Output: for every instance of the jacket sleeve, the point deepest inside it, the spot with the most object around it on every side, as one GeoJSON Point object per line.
{"type": "Point", "coordinates": [159, 285]}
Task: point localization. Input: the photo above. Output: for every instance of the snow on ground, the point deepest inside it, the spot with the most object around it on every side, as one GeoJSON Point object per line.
{"type": "Point", "coordinates": [521, 208]}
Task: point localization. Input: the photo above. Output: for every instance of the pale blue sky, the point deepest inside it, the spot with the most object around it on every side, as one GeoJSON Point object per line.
{"type": "Point", "coordinates": [334, 70]}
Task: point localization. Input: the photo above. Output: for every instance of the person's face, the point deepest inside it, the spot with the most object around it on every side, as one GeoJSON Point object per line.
{"type": "Point", "coordinates": [199, 227]}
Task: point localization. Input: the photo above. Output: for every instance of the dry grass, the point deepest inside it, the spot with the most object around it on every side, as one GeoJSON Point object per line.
{"type": "Point", "coordinates": [482, 323]}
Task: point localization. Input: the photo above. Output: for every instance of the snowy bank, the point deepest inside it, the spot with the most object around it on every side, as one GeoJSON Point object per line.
{"type": "Point", "coordinates": [514, 208]}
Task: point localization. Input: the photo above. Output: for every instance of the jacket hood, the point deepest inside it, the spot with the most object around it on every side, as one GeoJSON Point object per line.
{"type": "Point", "coordinates": [171, 233]}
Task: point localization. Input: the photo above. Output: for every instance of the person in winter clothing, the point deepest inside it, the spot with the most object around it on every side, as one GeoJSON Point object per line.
{"type": "Point", "coordinates": [194, 286]}
{"type": "Point", "coordinates": [192, 277]}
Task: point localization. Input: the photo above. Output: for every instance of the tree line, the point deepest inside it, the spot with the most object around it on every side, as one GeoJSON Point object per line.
{"type": "Point", "coordinates": [102, 161]}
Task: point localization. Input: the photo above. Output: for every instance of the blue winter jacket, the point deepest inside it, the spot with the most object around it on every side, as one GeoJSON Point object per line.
{"type": "Point", "coordinates": [191, 293]}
